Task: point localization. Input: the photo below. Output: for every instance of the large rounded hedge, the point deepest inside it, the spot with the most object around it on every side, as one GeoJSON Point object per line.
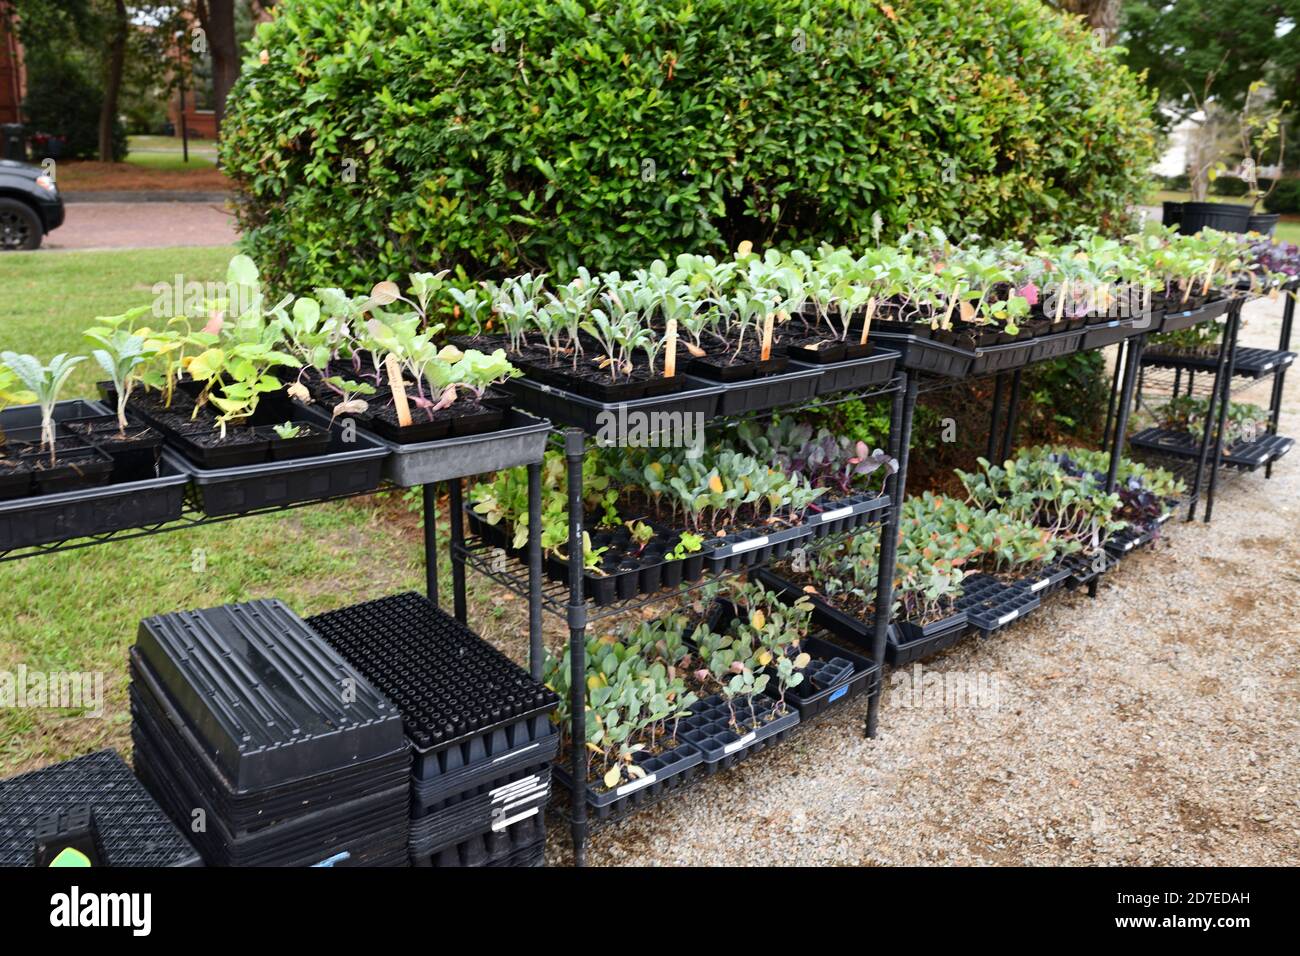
{"type": "Point", "coordinates": [373, 137]}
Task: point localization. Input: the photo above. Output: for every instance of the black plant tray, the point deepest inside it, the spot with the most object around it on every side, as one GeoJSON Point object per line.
{"type": "Point", "coordinates": [739, 372]}
{"type": "Point", "coordinates": [1248, 362]}
{"type": "Point", "coordinates": [905, 641]}
{"type": "Point", "coordinates": [133, 829]}
{"type": "Point", "coordinates": [798, 385]}
{"type": "Point", "coordinates": [1046, 580]}
{"type": "Point", "coordinates": [845, 514]}
{"type": "Point", "coordinates": [490, 807]}
{"type": "Point", "coordinates": [1100, 336]}
{"type": "Point", "coordinates": [263, 693]}
{"type": "Point", "coordinates": [1246, 455]}
{"type": "Point", "coordinates": [1085, 568]}
{"type": "Point", "coordinates": [1003, 357]}
{"type": "Point", "coordinates": [991, 605]}
{"type": "Point", "coordinates": [521, 440]}
{"type": "Point", "coordinates": [834, 675]}
{"type": "Point", "coordinates": [756, 546]}
{"type": "Point", "coordinates": [708, 729]}
{"type": "Point", "coordinates": [348, 467]}
{"type": "Point", "coordinates": [697, 398]}
{"type": "Point", "coordinates": [1174, 321]}
{"type": "Point", "coordinates": [43, 519]}
{"type": "Point", "coordinates": [919, 353]}
{"type": "Point", "coordinates": [1056, 345]}
{"type": "Point", "coordinates": [856, 374]}
{"type": "Point", "coordinates": [467, 708]}
{"type": "Point", "coordinates": [521, 844]}
{"type": "Point", "coordinates": [665, 772]}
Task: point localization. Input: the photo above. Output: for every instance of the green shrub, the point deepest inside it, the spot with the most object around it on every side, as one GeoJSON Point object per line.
{"type": "Point", "coordinates": [1285, 198]}
{"type": "Point", "coordinates": [494, 136]}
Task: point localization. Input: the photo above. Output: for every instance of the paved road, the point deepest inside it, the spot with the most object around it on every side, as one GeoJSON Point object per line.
{"type": "Point", "coordinates": [142, 225]}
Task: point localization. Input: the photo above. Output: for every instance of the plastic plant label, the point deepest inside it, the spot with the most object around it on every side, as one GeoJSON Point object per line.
{"type": "Point", "coordinates": [499, 825]}
{"type": "Point", "coordinates": [742, 546]}
{"type": "Point", "coordinates": [835, 515]}
{"type": "Point", "coordinates": [636, 785]}
{"type": "Point", "coordinates": [836, 695]}
{"type": "Point", "coordinates": [1007, 618]}
{"type": "Point", "coordinates": [1039, 585]}
{"type": "Point", "coordinates": [515, 753]}
{"type": "Point", "coordinates": [742, 743]}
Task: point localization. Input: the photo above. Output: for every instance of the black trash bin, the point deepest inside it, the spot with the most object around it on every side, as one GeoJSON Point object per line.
{"type": "Point", "coordinates": [13, 142]}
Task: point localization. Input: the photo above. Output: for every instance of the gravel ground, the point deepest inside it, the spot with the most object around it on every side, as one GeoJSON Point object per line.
{"type": "Point", "coordinates": [1155, 725]}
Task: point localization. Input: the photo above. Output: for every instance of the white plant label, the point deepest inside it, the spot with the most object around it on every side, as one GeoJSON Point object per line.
{"type": "Point", "coordinates": [742, 743]}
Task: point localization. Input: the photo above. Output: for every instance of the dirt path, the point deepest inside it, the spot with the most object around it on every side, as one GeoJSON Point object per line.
{"type": "Point", "coordinates": [142, 225]}
{"type": "Point", "coordinates": [1155, 725]}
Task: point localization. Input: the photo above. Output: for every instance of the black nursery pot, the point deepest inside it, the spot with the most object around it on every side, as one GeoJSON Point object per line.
{"type": "Point", "coordinates": [627, 577]}
{"type": "Point", "coordinates": [485, 419]}
{"type": "Point", "coordinates": [672, 573]}
{"type": "Point", "coordinates": [311, 440]}
{"type": "Point", "coordinates": [818, 356]}
{"type": "Point", "coordinates": [15, 479]}
{"type": "Point", "coordinates": [135, 454]}
{"type": "Point", "coordinates": [417, 431]}
{"type": "Point", "coordinates": [241, 446]}
{"type": "Point", "coordinates": [76, 466]}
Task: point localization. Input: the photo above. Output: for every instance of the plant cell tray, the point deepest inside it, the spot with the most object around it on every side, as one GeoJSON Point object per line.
{"type": "Point", "coordinates": [1248, 362]}
{"type": "Point", "coordinates": [920, 353]}
{"type": "Point", "coordinates": [658, 413]}
{"type": "Point", "coordinates": [834, 675]}
{"type": "Point", "coordinates": [1045, 581]}
{"type": "Point", "coordinates": [991, 605]}
{"type": "Point", "coordinates": [520, 441]}
{"type": "Point", "coordinates": [263, 693]}
{"type": "Point", "coordinates": [1003, 357]}
{"type": "Point", "coordinates": [1174, 321]}
{"type": "Point", "coordinates": [852, 375]}
{"type": "Point", "coordinates": [490, 807]}
{"type": "Point", "coordinates": [466, 707]}
{"type": "Point", "coordinates": [132, 829]}
{"type": "Point", "coordinates": [520, 844]}
{"type": "Point", "coordinates": [1085, 568]}
{"type": "Point", "coordinates": [794, 387]}
{"type": "Point", "coordinates": [44, 519]}
{"type": "Point", "coordinates": [1055, 345]}
{"type": "Point", "coordinates": [1246, 455]}
{"type": "Point", "coordinates": [756, 546]}
{"type": "Point", "coordinates": [665, 772]}
{"type": "Point", "coordinates": [709, 729]}
{"type": "Point", "coordinates": [1100, 336]}
{"type": "Point", "coordinates": [347, 468]}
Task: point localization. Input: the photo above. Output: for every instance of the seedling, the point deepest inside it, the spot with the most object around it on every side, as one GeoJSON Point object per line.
{"type": "Point", "coordinates": [45, 382]}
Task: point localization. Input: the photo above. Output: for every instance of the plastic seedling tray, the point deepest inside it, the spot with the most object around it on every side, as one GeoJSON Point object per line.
{"type": "Point", "coordinates": [697, 397]}
{"type": "Point", "coordinates": [262, 692]}
{"type": "Point", "coordinates": [1003, 357]}
{"type": "Point", "coordinates": [1100, 336]}
{"type": "Point", "coordinates": [1055, 345]}
{"type": "Point", "coordinates": [520, 441]}
{"type": "Point", "coordinates": [665, 772]}
{"type": "Point", "coordinates": [492, 808]}
{"type": "Point", "coordinates": [44, 519]}
{"type": "Point", "coordinates": [1046, 581]}
{"type": "Point", "coordinates": [466, 707]}
{"type": "Point", "coordinates": [854, 374]}
{"type": "Point", "coordinates": [907, 641]}
{"type": "Point", "coordinates": [919, 353]}
{"type": "Point", "coordinates": [709, 729]}
{"type": "Point", "coordinates": [347, 468]}
{"type": "Point", "coordinates": [155, 718]}
{"type": "Point", "coordinates": [792, 387]}
{"type": "Point", "coordinates": [755, 546]}
{"type": "Point", "coordinates": [1176, 319]}
{"type": "Point", "coordinates": [522, 843]}
{"type": "Point", "coordinates": [1085, 568]}
{"type": "Point", "coordinates": [846, 514]}
{"type": "Point", "coordinates": [132, 828]}
{"type": "Point", "coordinates": [991, 605]}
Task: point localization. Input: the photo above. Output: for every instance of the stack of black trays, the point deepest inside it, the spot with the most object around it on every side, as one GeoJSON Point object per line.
{"type": "Point", "coordinates": [263, 744]}
{"type": "Point", "coordinates": [480, 728]}
{"type": "Point", "coordinates": [127, 827]}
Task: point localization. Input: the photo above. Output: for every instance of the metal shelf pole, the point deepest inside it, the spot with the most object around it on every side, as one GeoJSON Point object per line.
{"type": "Point", "coordinates": [535, 649]}
{"type": "Point", "coordinates": [1013, 410]}
{"type": "Point", "coordinates": [999, 386]}
{"type": "Point", "coordinates": [1279, 376]}
{"type": "Point", "coordinates": [902, 410]}
{"type": "Point", "coordinates": [1202, 459]}
{"type": "Point", "coordinates": [1132, 350]}
{"type": "Point", "coordinates": [431, 542]}
{"type": "Point", "coordinates": [574, 449]}
{"type": "Point", "coordinates": [457, 547]}
{"type": "Point", "coordinates": [1230, 336]}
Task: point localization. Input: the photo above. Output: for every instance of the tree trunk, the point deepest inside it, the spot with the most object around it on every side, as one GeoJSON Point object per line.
{"type": "Point", "coordinates": [219, 24]}
{"type": "Point", "coordinates": [112, 81]}
{"type": "Point", "coordinates": [1100, 15]}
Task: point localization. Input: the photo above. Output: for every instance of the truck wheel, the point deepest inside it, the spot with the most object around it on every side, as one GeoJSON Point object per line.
{"type": "Point", "coordinates": [19, 226]}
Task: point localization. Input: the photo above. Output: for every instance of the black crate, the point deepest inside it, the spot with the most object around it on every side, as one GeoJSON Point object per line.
{"type": "Point", "coordinates": [270, 701]}
{"type": "Point", "coordinates": [466, 707]}
{"type": "Point", "coordinates": [132, 829]}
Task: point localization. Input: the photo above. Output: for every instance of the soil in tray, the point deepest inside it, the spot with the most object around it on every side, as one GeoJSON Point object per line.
{"type": "Point", "coordinates": [465, 417]}
{"type": "Point", "coordinates": [135, 451]}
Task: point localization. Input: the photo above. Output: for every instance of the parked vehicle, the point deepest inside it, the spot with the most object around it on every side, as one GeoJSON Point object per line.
{"type": "Point", "coordinates": [30, 205]}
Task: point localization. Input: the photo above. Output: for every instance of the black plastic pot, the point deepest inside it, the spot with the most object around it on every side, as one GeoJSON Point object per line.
{"type": "Point", "coordinates": [311, 440]}
{"type": "Point", "coordinates": [1226, 217]}
{"type": "Point", "coordinates": [1171, 213]}
{"type": "Point", "coordinates": [1265, 223]}
{"type": "Point", "coordinates": [709, 729]}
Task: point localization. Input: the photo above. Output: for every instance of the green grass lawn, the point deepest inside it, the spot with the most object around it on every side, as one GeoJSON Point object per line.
{"type": "Point", "coordinates": [79, 610]}
{"type": "Point", "coordinates": [164, 152]}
